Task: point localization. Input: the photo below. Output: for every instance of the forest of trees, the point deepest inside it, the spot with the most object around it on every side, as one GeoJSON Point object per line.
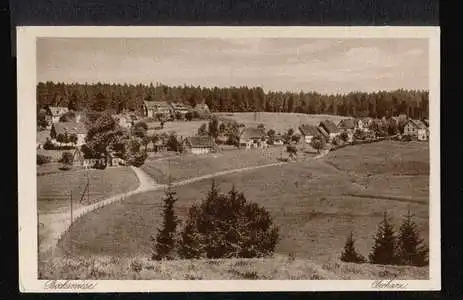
{"type": "Point", "coordinates": [101, 96]}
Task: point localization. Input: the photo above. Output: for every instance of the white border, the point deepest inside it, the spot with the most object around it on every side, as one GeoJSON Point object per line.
{"type": "Point", "coordinates": [27, 204]}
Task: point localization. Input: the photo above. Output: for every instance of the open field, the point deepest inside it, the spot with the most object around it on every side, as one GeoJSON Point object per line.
{"type": "Point", "coordinates": [53, 190]}
{"type": "Point", "coordinates": [182, 128]}
{"type": "Point", "coordinates": [280, 122]}
{"type": "Point", "coordinates": [188, 166]}
{"type": "Point", "coordinates": [315, 204]}
{"type": "Point", "coordinates": [278, 267]}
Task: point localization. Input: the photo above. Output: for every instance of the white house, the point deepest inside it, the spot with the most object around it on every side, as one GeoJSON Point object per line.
{"type": "Point", "coordinates": [309, 132]}
{"type": "Point", "coordinates": [154, 108]}
{"type": "Point", "coordinates": [69, 129]}
{"type": "Point", "coordinates": [329, 129]}
{"type": "Point", "coordinates": [418, 129]}
{"type": "Point", "coordinates": [251, 137]}
{"type": "Point", "coordinates": [55, 112]}
{"type": "Point", "coordinates": [200, 144]}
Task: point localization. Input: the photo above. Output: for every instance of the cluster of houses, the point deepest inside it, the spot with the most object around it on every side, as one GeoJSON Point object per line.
{"type": "Point", "coordinates": [166, 110]}
{"type": "Point", "coordinates": [249, 137]}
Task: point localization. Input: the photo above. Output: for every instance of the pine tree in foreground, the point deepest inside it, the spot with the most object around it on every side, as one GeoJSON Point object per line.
{"type": "Point", "coordinates": [350, 254]}
{"type": "Point", "coordinates": [190, 239]}
{"type": "Point", "coordinates": [165, 240]}
{"type": "Point", "coordinates": [411, 250]}
{"type": "Point", "coordinates": [383, 251]}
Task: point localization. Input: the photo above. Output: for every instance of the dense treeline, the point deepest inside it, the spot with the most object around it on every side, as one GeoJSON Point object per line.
{"type": "Point", "coordinates": [101, 96]}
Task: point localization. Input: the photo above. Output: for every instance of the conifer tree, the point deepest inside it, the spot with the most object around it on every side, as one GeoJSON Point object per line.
{"type": "Point", "coordinates": [411, 250]}
{"type": "Point", "coordinates": [165, 240]}
{"type": "Point", "coordinates": [190, 239]}
{"type": "Point", "coordinates": [350, 254]}
{"type": "Point", "coordinates": [384, 251]}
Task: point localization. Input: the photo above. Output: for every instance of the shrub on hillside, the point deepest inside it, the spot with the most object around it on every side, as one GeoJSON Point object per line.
{"type": "Point", "coordinates": [411, 250]}
{"type": "Point", "coordinates": [406, 138]}
{"type": "Point", "coordinates": [165, 240]}
{"type": "Point", "coordinates": [226, 226]}
{"type": "Point", "coordinates": [384, 248]}
{"type": "Point", "coordinates": [349, 253]}
{"type": "Point", "coordinates": [43, 159]}
{"type": "Point", "coordinates": [67, 158]}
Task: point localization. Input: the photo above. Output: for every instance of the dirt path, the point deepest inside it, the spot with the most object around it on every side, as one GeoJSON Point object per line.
{"type": "Point", "coordinates": [54, 225]}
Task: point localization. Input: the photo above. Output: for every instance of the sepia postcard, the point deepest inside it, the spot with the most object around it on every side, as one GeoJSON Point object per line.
{"type": "Point", "coordinates": [181, 159]}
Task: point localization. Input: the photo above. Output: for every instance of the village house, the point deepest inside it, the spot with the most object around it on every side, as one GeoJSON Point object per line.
{"type": "Point", "coordinates": [278, 140]}
{"type": "Point", "coordinates": [55, 112]}
{"type": "Point", "coordinates": [348, 126]}
{"type": "Point", "coordinates": [308, 132]}
{"type": "Point", "coordinates": [200, 144]}
{"type": "Point", "coordinates": [417, 129]}
{"type": "Point", "coordinates": [69, 129]}
{"type": "Point", "coordinates": [251, 137]}
{"type": "Point", "coordinates": [181, 108]}
{"type": "Point", "coordinates": [329, 129]}
{"type": "Point", "coordinates": [202, 108]}
{"type": "Point", "coordinates": [153, 109]}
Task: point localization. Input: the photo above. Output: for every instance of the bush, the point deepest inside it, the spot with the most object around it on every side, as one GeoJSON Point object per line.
{"type": "Point", "coordinates": [43, 159]}
{"type": "Point", "coordinates": [350, 254]}
{"type": "Point", "coordinates": [165, 240]}
{"type": "Point", "coordinates": [411, 250]}
{"type": "Point", "coordinates": [227, 226]}
{"type": "Point", "coordinates": [48, 145]}
{"type": "Point", "coordinates": [138, 159]}
{"type": "Point", "coordinates": [67, 158]}
{"type": "Point", "coordinates": [407, 138]}
{"type": "Point", "coordinates": [384, 248]}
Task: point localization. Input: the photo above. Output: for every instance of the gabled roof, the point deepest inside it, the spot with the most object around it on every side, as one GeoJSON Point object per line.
{"type": "Point", "coordinates": [253, 133]}
{"type": "Point", "coordinates": [57, 110]}
{"type": "Point", "coordinates": [156, 104]}
{"type": "Point", "coordinates": [329, 126]}
{"type": "Point", "coordinates": [347, 124]}
{"type": "Point", "coordinates": [309, 130]}
{"type": "Point", "coordinates": [201, 141]}
{"type": "Point", "coordinates": [179, 106]}
{"type": "Point", "coordinates": [69, 128]}
{"type": "Point", "coordinates": [418, 124]}
{"type": "Point", "coordinates": [201, 106]}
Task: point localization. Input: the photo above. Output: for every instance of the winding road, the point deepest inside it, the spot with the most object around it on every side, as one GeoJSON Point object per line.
{"type": "Point", "coordinates": [54, 225]}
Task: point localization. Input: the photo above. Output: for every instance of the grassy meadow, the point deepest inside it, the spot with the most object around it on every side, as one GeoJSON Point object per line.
{"type": "Point", "coordinates": [189, 166]}
{"type": "Point", "coordinates": [276, 268]}
{"type": "Point", "coordinates": [53, 190]}
{"type": "Point", "coordinates": [280, 122]}
{"type": "Point", "coordinates": [316, 203]}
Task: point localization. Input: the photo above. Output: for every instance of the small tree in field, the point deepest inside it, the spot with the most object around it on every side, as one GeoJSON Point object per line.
{"type": "Point", "coordinates": [292, 151]}
{"type": "Point", "coordinates": [227, 226]}
{"type": "Point", "coordinates": [384, 248]}
{"type": "Point", "coordinates": [202, 130]}
{"type": "Point", "coordinates": [344, 136]}
{"type": "Point", "coordinates": [165, 240]}
{"type": "Point", "coordinates": [67, 159]}
{"type": "Point", "coordinates": [350, 254]}
{"type": "Point", "coordinates": [411, 250]}
{"type": "Point", "coordinates": [317, 143]}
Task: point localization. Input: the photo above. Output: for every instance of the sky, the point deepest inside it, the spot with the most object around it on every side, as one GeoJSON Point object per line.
{"type": "Point", "coordinates": [326, 66]}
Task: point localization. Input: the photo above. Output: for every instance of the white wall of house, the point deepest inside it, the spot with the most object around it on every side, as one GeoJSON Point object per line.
{"type": "Point", "coordinates": [200, 150]}
{"type": "Point", "coordinates": [422, 134]}
{"type": "Point", "coordinates": [410, 129]}
{"type": "Point", "coordinates": [308, 139]}
{"type": "Point", "coordinates": [81, 139]}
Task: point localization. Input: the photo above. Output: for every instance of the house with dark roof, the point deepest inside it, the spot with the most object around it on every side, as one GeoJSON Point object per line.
{"type": "Point", "coordinates": [417, 129]}
{"type": "Point", "coordinates": [178, 107]}
{"type": "Point", "coordinates": [68, 130]}
{"type": "Point", "coordinates": [153, 109]}
{"type": "Point", "coordinates": [308, 132]}
{"type": "Point", "coordinates": [55, 112]}
{"type": "Point", "coordinates": [329, 129]}
{"type": "Point", "coordinates": [252, 137]}
{"type": "Point", "coordinates": [347, 124]}
{"type": "Point", "coordinates": [202, 107]}
{"type": "Point", "coordinates": [200, 144]}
